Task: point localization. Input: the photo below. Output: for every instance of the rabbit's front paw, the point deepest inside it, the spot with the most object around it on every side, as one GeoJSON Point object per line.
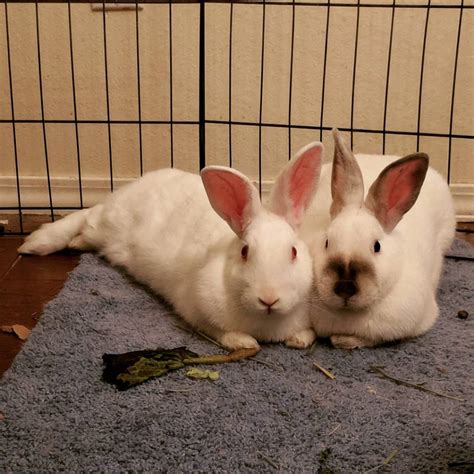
{"type": "Point", "coordinates": [301, 339]}
{"type": "Point", "coordinates": [239, 340]}
{"type": "Point", "coordinates": [349, 342]}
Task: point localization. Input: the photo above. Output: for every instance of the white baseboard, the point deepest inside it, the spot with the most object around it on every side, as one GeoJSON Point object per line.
{"type": "Point", "coordinates": [463, 195]}
{"type": "Point", "coordinates": [65, 193]}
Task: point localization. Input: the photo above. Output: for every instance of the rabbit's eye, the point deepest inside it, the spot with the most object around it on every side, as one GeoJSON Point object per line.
{"type": "Point", "coordinates": [244, 252]}
{"type": "Point", "coordinates": [327, 243]}
{"type": "Point", "coordinates": [377, 246]}
{"type": "Point", "coordinates": [294, 253]}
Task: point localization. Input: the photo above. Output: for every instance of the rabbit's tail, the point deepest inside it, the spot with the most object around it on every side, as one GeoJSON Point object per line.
{"type": "Point", "coordinates": [50, 238]}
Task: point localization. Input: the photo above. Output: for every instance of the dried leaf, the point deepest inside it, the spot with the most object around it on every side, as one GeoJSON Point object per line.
{"type": "Point", "coordinates": [196, 373]}
{"type": "Point", "coordinates": [21, 331]}
{"type": "Point", "coordinates": [132, 368]}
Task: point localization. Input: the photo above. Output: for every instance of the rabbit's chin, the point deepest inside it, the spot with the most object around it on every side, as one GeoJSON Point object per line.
{"type": "Point", "coordinates": [349, 306]}
{"type": "Point", "coordinates": [270, 314]}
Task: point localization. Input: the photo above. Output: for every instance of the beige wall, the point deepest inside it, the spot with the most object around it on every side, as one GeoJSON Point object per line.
{"type": "Point", "coordinates": [309, 42]}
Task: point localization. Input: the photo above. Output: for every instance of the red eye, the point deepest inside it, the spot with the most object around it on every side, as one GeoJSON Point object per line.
{"type": "Point", "coordinates": [294, 253]}
{"type": "Point", "coordinates": [244, 252]}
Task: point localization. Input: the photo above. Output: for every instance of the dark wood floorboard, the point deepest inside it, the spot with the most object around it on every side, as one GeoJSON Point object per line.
{"type": "Point", "coordinates": [27, 283]}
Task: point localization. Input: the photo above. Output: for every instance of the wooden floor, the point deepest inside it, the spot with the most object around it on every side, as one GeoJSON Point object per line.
{"type": "Point", "coordinates": [28, 282]}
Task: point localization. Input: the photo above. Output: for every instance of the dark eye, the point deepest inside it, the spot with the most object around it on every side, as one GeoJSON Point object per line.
{"type": "Point", "coordinates": [327, 243]}
{"type": "Point", "coordinates": [377, 246]}
{"type": "Point", "coordinates": [294, 253]}
{"type": "Point", "coordinates": [244, 252]}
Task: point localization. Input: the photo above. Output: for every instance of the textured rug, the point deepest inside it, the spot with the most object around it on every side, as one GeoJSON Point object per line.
{"type": "Point", "coordinates": [284, 415]}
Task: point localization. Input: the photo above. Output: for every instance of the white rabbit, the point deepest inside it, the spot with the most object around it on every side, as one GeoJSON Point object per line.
{"type": "Point", "coordinates": [376, 273]}
{"type": "Point", "coordinates": [242, 277]}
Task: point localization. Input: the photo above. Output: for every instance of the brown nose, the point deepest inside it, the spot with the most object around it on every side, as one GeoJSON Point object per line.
{"type": "Point", "coordinates": [345, 288]}
{"type": "Point", "coordinates": [267, 304]}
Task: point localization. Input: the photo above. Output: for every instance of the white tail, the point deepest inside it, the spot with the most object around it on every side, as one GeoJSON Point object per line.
{"type": "Point", "coordinates": [50, 238]}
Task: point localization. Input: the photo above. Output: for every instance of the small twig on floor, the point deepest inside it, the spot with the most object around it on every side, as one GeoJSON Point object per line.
{"type": "Point", "coordinates": [268, 460]}
{"type": "Point", "coordinates": [183, 390]}
{"type": "Point", "coordinates": [233, 356]}
{"type": "Point", "coordinates": [268, 364]}
{"type": "Point", "coordinates": [205, 336]}
{"type": "Point", "coordinates": [334, 430]}
{"type": "Point", "coordinates": [311, 349]}
{"type": "Point", "coordinates": [199, 333]}
{"type": "Point", "coordinates": [386, 461]}
{"type": "Point", "coordinates": [325, 371]}
{"type": "Point", "coordinates": [213, 341]}
{"type": "Point", "coordinates": [412, 385]}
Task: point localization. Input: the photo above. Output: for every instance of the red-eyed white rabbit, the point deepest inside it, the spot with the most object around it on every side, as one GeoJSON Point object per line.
{"type": "Point", "coordinates": [377, 256]}
{"type": "Point", "coordinates": [236, 271]}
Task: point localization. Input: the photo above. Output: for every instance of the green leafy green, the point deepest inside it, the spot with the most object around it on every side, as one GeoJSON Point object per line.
{"type": "Point", "coordinates": [132, 368]}
{"type": "Point", "coordinates": [196, 373]}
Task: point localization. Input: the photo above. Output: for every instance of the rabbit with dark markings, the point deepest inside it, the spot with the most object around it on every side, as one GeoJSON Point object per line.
{"type": "Point", "coordinates": [377, 255]}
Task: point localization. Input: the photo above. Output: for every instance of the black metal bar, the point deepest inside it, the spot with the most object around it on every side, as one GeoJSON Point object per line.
{"type": "Point", "coordinates": [104, 122]}
{"type": "Point", "coordinates": [74, 98]}
{"type": "Point", "coordinates": [262, 57]}
{"type": "Point", "coordinates": [231, 21]}
{"type": "Point", "coordinates": [453, 94]}
{"type": "Point", "coordinates": [234, 122]}
{"type": "Point", "coordinates": [325, 128]}
{"type": "Point", "coordinates": [387, 82]}
{"type": "Point", "coordinates": [104, 23]}
{"type": "Point", "coordinates": [354, 73]}
{"type": "Point", "coordinates": [140, 137]}
{"type": "Point", "coordinates": [290, 92]}
{"type": "Point", "coordinates": [170, 27]}
{"type": "Point", "coordinates": [316, 4]}
{"type": "Point", "coordinates": [40, 78]}
{"type": "Point", "coordinates": [323, 88]}
{"type": "Point", "coordinates": [41, 208]}
{"type": "Point", "coordinates": [12, 109]}
{"type": "Point", "coordinates": [425, 35]}
{"type": "Point", "coordinates": [202, 84]}
{"type": "Point", "coordinates": [260, 2]}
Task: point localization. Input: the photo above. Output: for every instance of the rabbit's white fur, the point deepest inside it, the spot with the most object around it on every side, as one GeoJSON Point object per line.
{"type": "Point", "coordinates": [164, 232]}
{"type": "Point", "coordinates": [396, 287]}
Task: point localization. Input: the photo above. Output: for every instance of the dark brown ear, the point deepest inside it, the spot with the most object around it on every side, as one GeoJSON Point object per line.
{"type": "Point", "coordinates": [347, 186]}
{"type": "Point", "coordinates": [396, 189]}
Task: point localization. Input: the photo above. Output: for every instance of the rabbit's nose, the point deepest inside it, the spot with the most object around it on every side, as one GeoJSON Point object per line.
{"type": "Point", "coordinates": [345, 288]}
{"type": "Point", "coordinates": [268, 304]}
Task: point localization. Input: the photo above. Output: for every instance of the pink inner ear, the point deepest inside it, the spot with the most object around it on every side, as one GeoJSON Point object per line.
{"type": "Point", "coordinates": [400, 185]}
{"type": "Point", "coordinates": [396, 190]}
{"type": "Point", "coordinates": [229, 196]}
{"type": "Point", "coordinates": [303, 180]}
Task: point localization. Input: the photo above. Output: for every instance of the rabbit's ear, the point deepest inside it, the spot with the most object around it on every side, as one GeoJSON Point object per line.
{"type": "Point", "coordinates": [232, 195]}
{"type": "Point", "coordinates": [296, 184]}
{"type": "Point", "coordinates": [347, 185]}
{"type": "Point", "coordinates": [396, 189]}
